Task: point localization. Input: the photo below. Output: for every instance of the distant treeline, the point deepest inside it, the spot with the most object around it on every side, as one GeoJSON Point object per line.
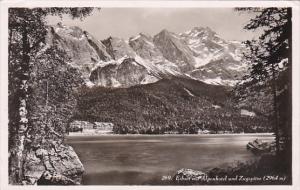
{"type": "Point", "coordinates": [191, 127]}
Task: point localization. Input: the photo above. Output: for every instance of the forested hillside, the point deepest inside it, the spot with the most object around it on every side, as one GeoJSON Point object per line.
{"type": "Point", "coordinates": [177, 105]}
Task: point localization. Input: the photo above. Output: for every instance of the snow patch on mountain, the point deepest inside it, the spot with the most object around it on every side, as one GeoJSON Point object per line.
{"type": "Point", "coordinates": [220, 81]}
{"type": "Point", "coordinates": [149, 79]}
{"type": "Point", "coordinates": [135, 38]}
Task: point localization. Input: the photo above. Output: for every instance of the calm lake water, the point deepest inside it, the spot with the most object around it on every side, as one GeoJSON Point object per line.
{"type": "Point", "coordinates": [144, 159]}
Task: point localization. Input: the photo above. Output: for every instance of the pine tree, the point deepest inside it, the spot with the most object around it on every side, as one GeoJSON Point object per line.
{"type": "Point", "coordinates": [270, 61]}
{"type": "Point", "coordinates": [27, 33]}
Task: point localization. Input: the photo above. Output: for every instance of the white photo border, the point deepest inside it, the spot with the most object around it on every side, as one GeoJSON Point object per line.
{"type": "Point", "coordinates": [163, 4]}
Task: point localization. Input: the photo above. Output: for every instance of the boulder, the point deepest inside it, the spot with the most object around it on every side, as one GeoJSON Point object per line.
{"type": "Point", "coordinates": [66, 162]}
{"type": "Point", "coordinates": [58, 165]}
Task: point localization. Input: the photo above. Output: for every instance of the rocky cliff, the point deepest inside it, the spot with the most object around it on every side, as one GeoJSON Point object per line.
{"type": "Point", "coordinates": [81, 47]}
{"type": "Point", "coordinates": [59, 165]}
{"type": "Point", "coordinates": [175, 51]}
{"type": "Point", "coordinates": [217, 61]}
{"type": "Point", "coordinates": [119, 74]}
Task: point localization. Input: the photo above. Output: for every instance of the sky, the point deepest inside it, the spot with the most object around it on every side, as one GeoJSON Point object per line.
{"type": "Point", "coordinates": [128, 22]}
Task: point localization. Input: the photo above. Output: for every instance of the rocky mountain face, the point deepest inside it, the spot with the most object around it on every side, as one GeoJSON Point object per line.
{"type": "Point", "coordinates": [120, 74]}
{"type": "Point", "coordinates": [174, 50]}
{"type": "Point", "coordinates": [217, 61]}
{"type": "Point", "coordinates": [83, 49]}
{"type": "Point", "coordinates": [199, 54]}
{"type": "Point", "coordinates": [118, 48]}
{"type": "Point", "coordinates": [144, 47]}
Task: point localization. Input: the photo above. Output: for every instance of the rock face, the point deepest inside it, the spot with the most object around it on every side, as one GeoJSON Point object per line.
{"type": "Point", "coordinates": [144, 46]}
{"type": "Point", "coordinates": [216, 72]}
{"type": "Point", "coordinates": [199, 54]}
{"type": "Point", "coordinates": [83, 49]}
{"type": "Point", "coordinates": [127, 73]}
{"type": "Point", "coordinates": [118, 48]}
{"type": "Point", "coordinates": [59, 165]}
{"type": "Point", "coordinates": [174, 50]}
{"type": "Point", "coordinates": [217, 61]}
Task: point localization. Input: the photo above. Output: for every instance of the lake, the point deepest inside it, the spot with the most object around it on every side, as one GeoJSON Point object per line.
{"type": "Point", "coordinates": [145, 159]}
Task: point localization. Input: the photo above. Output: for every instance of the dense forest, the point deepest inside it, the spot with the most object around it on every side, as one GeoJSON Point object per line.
{"type": "Point", "coordinates": [177, 105]}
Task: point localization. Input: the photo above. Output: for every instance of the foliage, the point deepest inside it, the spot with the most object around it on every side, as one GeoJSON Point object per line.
{"type": "Point", "coordinates": [272, 48]}
{"type": "Point", "coordinates": [52, 99]}
{"type": "Point", "coordinates": [270, 62]}
{"type": "Point", "coordinates": [31, 63]}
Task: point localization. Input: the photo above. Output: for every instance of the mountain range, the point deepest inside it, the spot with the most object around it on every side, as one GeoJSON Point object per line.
{"type": "Point", "coordinates": [198, 54]}
{"type": "Point", "coordinates": [165, 83]}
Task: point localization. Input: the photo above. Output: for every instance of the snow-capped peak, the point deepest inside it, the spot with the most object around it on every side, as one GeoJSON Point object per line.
{"type": "Point", "coordinates": [198, 53]}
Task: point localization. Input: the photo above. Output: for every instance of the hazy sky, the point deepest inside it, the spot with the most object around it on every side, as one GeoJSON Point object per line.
{"type": "Point", "coordinates": [127, 22]}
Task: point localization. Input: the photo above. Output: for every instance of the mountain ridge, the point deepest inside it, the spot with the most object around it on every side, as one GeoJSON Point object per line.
{"type": "Point", "coordinates": [199, 54]}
